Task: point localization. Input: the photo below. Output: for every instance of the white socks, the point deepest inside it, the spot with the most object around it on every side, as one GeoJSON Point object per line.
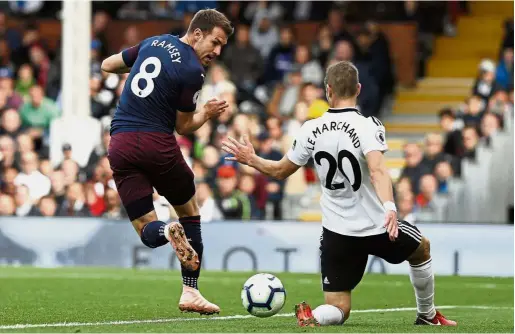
{"type": "Point", "coordinates": [422, 279]}
{"type": "Point", "coordinates": [328, 315]}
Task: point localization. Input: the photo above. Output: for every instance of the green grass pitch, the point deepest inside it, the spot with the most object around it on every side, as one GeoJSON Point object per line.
{"type": "Point", "coordinates": [125, 300]}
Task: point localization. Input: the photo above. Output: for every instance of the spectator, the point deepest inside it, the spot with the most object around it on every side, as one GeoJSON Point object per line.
{"type": "Point", "coordinates": [247, 186]}
{"type": "Point", "coordinates": [216, 84]}
{"type": "Point", "coordinates": [41, 64]}
{"type": "Point", "coordinates": [504, 72]}
{"type": "Point", "coordinates": [114, 208]}
{"type": "Point", "coordinates": [7, 185]}
{"type": "Point", "coordinates": [281, 57]}
{"type": "Point", "coordinates": [208, 208]}
{"type": "Point", "coordinates": [131, 37]}
{"type": "Point", "coordinates": [485, 84]}
{"type": "Point", "coordinates": [473, 111]}
{"type": "Point", "coordinates": [7, 206]}
{"type": "Point", "coordinates": [245, 70]}
{"type": "Point", "coordinates": [490, 124]}
{"type": "Point", "coordinates": [58, 186]}
{"type": "Point", "coordinates": [443, 173]}
{"type": "Point", "coordinates": [45, 167]}
{"type": "Point", "coordinates": [74, 204]}
{"type": "Point", "coordinates": [406, 208]}
{"type": "Point", "coordinates": [275, 188]}
{"type": "Point", "coordinates": [211, 160]}
{"type": "Point", "coordinates": [428, 188]}
{"type": "Point", "coordinates": [299, 117]}
{"type": "Point", "coordinates": [378, 50]}
{"type": "Point", "coordinates": [433, 151]}
{"type": "Point", "coordinates": [37, 183]}
{"type": "Point", "coordinates": [99, 104]}
{"type": "Point", "coordinates": [310, 69]}
{"type": "Point", "coordinates": [403, 187]}
{"type": "Point", "coordinates": [99, 151]}
{"type": "Point", "coordinates": [47, 206]}
{"type": "Point", "coordinates": [311, 95]}
{"type": "Point", "coordinates": [453, 143]}
{"type": "Point", "coordinates": [470, 141]}
{"type": "Point", "coordinates": [100, 22]}
{"type": "Point", "coordinates": [25, 80]}
{"type": "Point", "coordinates": [338, 28]}
{"type": "Point", "coordinates": [286, 95]}
{"type": "Point", "coordinates": [67, 151]}
{"type": "Point", "coordinates": [10, 123]}
{"type": "Point", "coordinates": [8, 156]}
{"type": "Point", "coordinates": [71, 171]}
{"type": "Point", "coordinates": [232, 203]}
{"type": "Point", "coordinates": [368, 97]}
{"type": "Point", "coordinates": [14, 100]}
{"type": "Point", "coordinates": [6, 65]}
{"type": "Point", "coordinates": [23, 202]}
{"type": "Point", "coordinates": [39, 111]}
{"type": "Point", "coordinates": [12, 36]}
{"type": "Point", "coordinates": [414, 169]}
{"type": "Point", "coordinates": [95, 60]}
{"type": "Point", "coordinates": [25, 143]}
{"type": "Point", "coordinates": [264, 34]}
{"type": "Point", "coordinates": [323, 45]}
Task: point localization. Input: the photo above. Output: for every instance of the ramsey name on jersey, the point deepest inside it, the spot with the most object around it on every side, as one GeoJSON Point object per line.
{"type": "Point", "coordinates": [338, 141]}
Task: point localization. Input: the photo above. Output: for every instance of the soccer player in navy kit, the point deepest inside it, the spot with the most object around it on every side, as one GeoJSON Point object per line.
{"type": "Point", "coordinates": [160, 95]}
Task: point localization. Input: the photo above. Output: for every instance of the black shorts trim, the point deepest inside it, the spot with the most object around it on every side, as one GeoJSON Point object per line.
{"type": "Point", "coordinates": [344, 258]}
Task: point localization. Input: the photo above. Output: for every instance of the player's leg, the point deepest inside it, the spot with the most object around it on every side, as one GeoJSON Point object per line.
{"type": "Point", "coordinates": [135, 190]}
{"type": "Point", "coordinates": [413, 247]}
{"type": "Point", "coordinates": [343, 263]}
{"type": "Point", "coordinates": [175, 181]}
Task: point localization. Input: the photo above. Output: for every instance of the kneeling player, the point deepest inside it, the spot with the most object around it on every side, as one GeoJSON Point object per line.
{"type": "Point", "coordinates": [359, 216]}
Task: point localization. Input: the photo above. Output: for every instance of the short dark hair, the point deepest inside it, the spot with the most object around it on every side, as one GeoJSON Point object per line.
{"type": "Point", "coordinates": [343, 77]}
{"type": "Point", "coordinates": [207, 19]}
{"type": "Point", "coordinates": [446, 112]}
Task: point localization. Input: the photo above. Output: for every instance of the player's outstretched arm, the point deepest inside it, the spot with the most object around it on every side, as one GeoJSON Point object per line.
{"type": "Point", "coordinates": [245, 154]}
{"type": "Point", "coordinates": [188, 122]}
{"type": "Point", "coordinates": [383, 186]}
{"type": "Point", "coordinates": [115, 64]}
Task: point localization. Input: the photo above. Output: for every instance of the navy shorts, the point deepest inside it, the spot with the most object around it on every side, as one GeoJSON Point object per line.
{"type": "Point", "coordinates": [142, 161]}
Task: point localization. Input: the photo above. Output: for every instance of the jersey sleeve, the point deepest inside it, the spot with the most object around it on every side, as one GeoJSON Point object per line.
{"type": "Point", "coordinates": [373, 136]}
{"type": "Point", "coordinates": [299, 153]}
{"type": "Point", "coordinates": [130, 55]}
{"type": "Point", "coordinates": [192, 82]}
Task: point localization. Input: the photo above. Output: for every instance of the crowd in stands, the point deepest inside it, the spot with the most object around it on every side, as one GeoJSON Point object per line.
{"type": "Point", "coordinates": [272, 85]}
{"type": "Point", "coordinates": [487, 112]}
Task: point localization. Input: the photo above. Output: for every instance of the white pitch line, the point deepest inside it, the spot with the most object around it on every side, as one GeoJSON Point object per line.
{"type": "Point", "coordinates": [231, 317]}
{"type": "Point", "coordinates": [221, 279]}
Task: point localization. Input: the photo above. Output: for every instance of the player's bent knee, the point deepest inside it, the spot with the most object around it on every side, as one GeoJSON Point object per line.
{"type": "Point", "coordinates": [422, 253]}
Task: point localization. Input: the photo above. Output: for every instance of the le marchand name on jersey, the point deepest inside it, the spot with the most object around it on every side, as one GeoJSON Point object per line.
{"type": "Point", "coordinates": [334, 126]}
{"type": "Point", "coordinates": [172, 50]}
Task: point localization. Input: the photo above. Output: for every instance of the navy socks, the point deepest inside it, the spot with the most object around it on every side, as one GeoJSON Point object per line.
{"type": "Point", "coordinates": [153, 234]}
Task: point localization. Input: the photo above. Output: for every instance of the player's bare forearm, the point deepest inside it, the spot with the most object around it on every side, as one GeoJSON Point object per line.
{"type": "Point", "coordinates": [267, 167]}
{"type": "Point", "coordinates": [115, 64]}
{"type": "Point", "coordinates": [191, 124]}
{"type": "Point", "coordinates": [380, 177]}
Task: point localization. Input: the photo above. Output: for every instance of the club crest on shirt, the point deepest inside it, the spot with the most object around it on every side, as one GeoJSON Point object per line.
{"type": "Point", "coordinates": [195, 97]}
{"type": "Point", "coordinates": [294, 144]}
{"type": "Point", "coordinates": [380, 136]}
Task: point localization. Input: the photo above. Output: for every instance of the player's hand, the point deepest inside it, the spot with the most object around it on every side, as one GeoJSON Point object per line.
{"type": "Point", "coordinates": [214, 108]}
{"type": "Point", "coordinates": [391, 224]}
{"type": "Point", "coordinates": [241, 151]}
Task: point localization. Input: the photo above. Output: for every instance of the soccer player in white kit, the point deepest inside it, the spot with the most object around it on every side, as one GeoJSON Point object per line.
{"type": "Point", "coordinates": [359, 217]}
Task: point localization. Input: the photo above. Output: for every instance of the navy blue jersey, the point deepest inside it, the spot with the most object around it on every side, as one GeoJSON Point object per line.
{"type": "Point", "coordinates": [166, 75]}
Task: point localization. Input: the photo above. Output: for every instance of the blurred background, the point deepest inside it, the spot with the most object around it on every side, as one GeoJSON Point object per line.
{"type": "Point", "coordinates": [438, 74]}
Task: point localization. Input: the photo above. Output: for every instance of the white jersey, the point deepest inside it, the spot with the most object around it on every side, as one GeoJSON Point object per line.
{"type": "Point", "coordinates": [338, 142]}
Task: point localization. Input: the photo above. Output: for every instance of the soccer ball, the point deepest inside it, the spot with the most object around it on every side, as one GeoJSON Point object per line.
{"type": "Point", "coordinates": [263, 295]}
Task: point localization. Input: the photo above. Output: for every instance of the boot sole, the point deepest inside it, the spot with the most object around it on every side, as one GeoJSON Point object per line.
{"type": "Point", "coordinates": [185, 253]}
